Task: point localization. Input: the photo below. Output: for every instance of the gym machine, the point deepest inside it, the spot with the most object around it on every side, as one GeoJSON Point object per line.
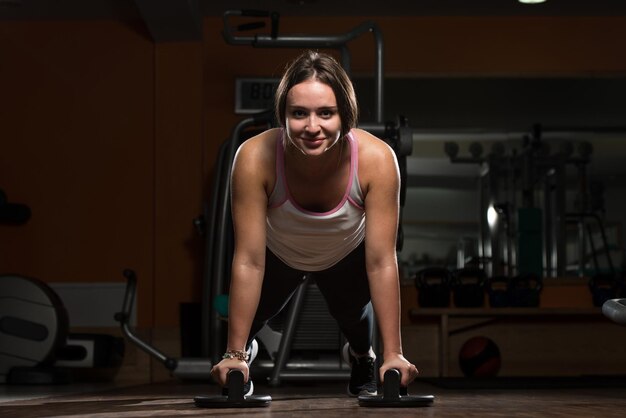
{"type": "Point", "coordinates": [183, 368]}
{"type": "Point", "coordinates": [33, 328]}
{"type": "Point", "coordinates": [217, 225]}
{"type": "Point", "coordinates": [36, 346]}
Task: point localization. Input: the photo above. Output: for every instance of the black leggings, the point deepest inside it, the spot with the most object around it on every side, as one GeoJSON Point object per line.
{"type": "Point", "coordinates": [344, 287]}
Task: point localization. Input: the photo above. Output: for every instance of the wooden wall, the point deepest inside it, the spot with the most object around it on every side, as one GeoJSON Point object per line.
{"type": "Point", "coordinates": [102, 138]}
{"type": "Point", "coordinates": [111, 139]}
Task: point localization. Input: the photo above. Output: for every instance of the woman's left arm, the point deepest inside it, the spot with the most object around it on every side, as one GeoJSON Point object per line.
{"type": "Point", "coordinates": [379, 170]}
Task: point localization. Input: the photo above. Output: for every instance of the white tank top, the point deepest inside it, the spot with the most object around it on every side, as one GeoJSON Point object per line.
{"type": "Point", "coordinates": [314, 241]}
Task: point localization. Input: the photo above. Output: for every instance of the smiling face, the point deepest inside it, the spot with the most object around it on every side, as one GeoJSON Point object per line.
{"type": "Point", "coordinates": [314, 66]}
{"type": "Point", "coordinates": [312, 117]}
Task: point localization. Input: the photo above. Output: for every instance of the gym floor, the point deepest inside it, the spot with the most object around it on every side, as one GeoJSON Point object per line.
{"type": "Point", "coordinates": [319, 400]}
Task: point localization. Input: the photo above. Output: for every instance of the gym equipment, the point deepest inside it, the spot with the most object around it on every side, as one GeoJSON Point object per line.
{"type": "Point", "coordinates": [317, 335]}
{"type": "Point", "coordinates": [185, 368]}
{"type": "Point", "coordinates": [529, 241]}
{"type": "Point", "coordinates": [82, 350]}
{"type": "Point", "coordinates": [433, 286]}
{"type": "Point", "coordinates": [604, 287]}
{"type": "Point", "coordinates": [468, 287]}
{"type": "Point", "coordinates": [220, 304]}
{"type": "Point", "coordinates": [615, 309]}
{"type": "Point", "coordinates": [479, 357]}
{"type": "Point", "coordinates": [525, 290]}
{"type": "Point", "coordinates": [395, 396]}
{"type": "Point", "coordinates": [498, 290]}
{"type": "Point", "coordinates": [36, 347]}
{"type": "Point", "coordinates": [235, 398]}
{"type": "Point", "coordinates": [525, 219]}
{"type": "Point", "coordinates": [33, 326]}
{"type": "Point", "coordinates": [586, 223]}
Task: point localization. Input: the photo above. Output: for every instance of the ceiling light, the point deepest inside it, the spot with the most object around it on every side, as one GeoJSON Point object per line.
{"type": "Point", "coordinates": [531, 1]}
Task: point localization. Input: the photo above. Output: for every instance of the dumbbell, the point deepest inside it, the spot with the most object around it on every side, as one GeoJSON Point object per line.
{"type": "Point", "coordinates": [525, 290]}
{"type": "Point", "coordinates": [468, 286]}
{"type": "Point", "coordinates": [498, 289]}
{"type": "Point", "coordinates": [433, 287]}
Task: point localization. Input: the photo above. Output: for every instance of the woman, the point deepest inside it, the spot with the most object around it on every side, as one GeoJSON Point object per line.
{"type": "Point", "coordinates": [317, 196]}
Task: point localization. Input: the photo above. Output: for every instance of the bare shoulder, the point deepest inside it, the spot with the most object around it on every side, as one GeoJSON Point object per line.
{"type": "Point", "coordinates": [376, 158]}
{"type": "Point", "coordinates": [259, 147]}
{"type": "Point", "coordinates": [256, 158]}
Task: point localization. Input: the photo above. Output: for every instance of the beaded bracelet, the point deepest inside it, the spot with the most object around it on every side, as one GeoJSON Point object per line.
{"type": "Point", "coordinates": [238, 354]}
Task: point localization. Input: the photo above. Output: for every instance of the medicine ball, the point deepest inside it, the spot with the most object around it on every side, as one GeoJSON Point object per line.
{"type": "Point", "coordinates": [479, 357]}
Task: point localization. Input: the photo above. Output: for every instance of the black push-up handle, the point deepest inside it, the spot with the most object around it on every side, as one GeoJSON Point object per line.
{"type": "Point", "coordinates": [235, 398]}
{"type": "Point", "coordinates": [395, 396]}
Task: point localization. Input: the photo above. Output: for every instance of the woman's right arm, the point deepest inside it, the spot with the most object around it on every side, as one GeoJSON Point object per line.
{"type": "Point", "coordinates": [249, 205]}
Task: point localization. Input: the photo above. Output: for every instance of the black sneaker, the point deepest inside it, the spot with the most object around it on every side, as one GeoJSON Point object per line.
{"type": "Point", "coordinates": [362, 376]}
{"type": "Point", "coordinates": [248, 387]}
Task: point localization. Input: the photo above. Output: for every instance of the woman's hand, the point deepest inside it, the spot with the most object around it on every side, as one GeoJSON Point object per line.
{"type": "Point", "coordinates": [219, 372]}
{"type": "Point", "coordinates": [407, 370]}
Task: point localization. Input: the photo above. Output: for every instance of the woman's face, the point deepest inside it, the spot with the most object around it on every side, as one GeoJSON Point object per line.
{"type": "Point", "coordinates": [312, 118]}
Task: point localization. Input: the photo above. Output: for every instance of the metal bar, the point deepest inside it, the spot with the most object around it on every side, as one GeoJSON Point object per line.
{"type": "Point", "coordinates": [379, 71]}
{"type": "Point", "coordinates": [560, 238]}
{"type": "Point", "coordinates": [346, 60]}
{"type": "Point", "coordinates": [443, 345]}
{"type": "Point", "coordinates": [592, 246]}
{"type": "Point", "coordinates": [310, 41]}
{"type": "Point", "coordinates": [217, 279]}
{"type": "Point", "coordinates": [209, 234]}
{"type": "Point", "coordinates": [377, 129]}
{"type": "Point", "coordinates": [123, 317]}
{"type": "Point", "coordinates": [605, 242]}
{"type": "Point", "coordinates": [296, 41]}
{"type": "Point", "coordinates": [548, 229]}
{"type": "Point", "coordinates": [221, 231]}
{"type": "Point", "coordinates": [284, 349]}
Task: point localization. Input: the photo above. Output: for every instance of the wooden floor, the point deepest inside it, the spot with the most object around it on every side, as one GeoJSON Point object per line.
{"type": "Point", "coordinates": [320, 401]}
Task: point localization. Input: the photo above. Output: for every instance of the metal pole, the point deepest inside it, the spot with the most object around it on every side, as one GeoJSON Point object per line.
{"type": "Point", "coordinates": [311, 41]}
{"type": "Point", "coordinates": [284, 349]}
{"type": "Point", "coordinates": [221, 231]}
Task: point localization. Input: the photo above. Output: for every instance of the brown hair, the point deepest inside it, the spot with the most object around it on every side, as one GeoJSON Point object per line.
{"type": "Point", "coordinates": [324, 68]}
